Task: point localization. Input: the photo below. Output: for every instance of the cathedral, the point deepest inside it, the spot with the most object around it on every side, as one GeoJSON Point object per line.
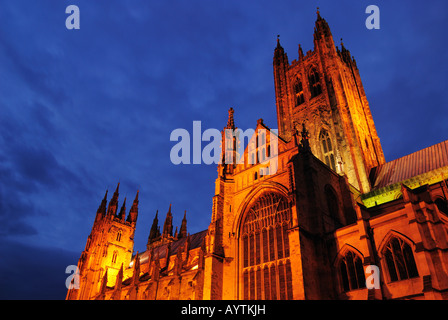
{"type": "Point", "coordinates": [301, 219]}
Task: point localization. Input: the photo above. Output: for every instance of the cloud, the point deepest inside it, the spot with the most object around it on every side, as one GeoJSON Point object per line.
{"type": "Point", "coordinates": [82, 110]}
{"type": "Point", "coordinates": [33, 272]}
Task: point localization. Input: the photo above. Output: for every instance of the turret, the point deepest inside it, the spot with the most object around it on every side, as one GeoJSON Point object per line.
{"type": "Point", "coordinates": [168, 225]}
{"type": "Point", "coordinates": [282, 92]}
{"type": "Point", "coordinates": [321, 28]}
{"type": "Point", "coordinates": [228, 146]}
{"type": "Point", "coordinates": [154, 233]}
{"type": "Point", "coordinates": [133, 213]}
{"type": "Point", "coordinates": [113, 204]}
{"type": "Point", "coordinates": [323, 39]}
{"type": "Point", "coordinates": [183, 227]}
{"type": "Point", "coordinates": [109, 244]}
{"type": "Point", "coordinates": [101, 212]}
{"type": "Point", "coordinates": [122, 213]}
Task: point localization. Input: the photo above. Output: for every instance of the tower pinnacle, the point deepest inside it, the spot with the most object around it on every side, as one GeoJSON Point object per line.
{"type": "Point", "coordinates": [133, 213]}
{"type": "Point", "coordinates": [230, 121]}
{"type": "Point", "coordinates": [113, 204]}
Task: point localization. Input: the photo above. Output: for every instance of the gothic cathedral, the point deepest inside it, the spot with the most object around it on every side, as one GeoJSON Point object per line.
{"type": "Point", "coordinates": [313, 206]}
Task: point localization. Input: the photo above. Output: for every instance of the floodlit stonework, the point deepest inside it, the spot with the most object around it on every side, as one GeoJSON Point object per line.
{"type": "Point", "coordinates": [301, 220]}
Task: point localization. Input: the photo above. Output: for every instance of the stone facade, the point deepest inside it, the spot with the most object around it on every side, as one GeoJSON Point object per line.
{"type": "Point", "coordinates": [301, 216]}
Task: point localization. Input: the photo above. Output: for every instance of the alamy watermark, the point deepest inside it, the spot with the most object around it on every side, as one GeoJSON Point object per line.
{"type": "Point", "coordinates": [373, 278]}
{"type": "Point", "coordinates": [227, 148]}
{"type": "Point", "coordinates": [72, 281]}
{"type": "Point", "coordinates": [73, 20]}
{"type": "Point", "coordinates": [373, 20]}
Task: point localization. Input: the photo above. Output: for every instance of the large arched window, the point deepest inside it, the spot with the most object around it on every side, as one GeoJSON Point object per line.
{"type": "Point", "coordinates": [327, 149]}
{"type": "Point", "coordinates": [315, 87]}
{"type": "Point", "coordinates": [399, 260]}
{"type": "Point", "coordinates": [351, 272]}
{"type": "Point", "coordinates": [298, 93]}
{"type": "Point", "coordinates": [266, 269]}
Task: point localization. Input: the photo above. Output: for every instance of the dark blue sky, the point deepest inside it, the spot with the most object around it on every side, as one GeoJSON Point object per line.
{"type": "Point", "coordinates": [81, 110]}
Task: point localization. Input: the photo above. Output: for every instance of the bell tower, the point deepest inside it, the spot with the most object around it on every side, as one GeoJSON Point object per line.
{"type": "Point", "coordinates": [323, 89]}
{"type": "Point", "coordinates": [109, 247]}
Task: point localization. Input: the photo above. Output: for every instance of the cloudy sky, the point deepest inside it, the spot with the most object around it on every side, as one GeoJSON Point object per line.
{"type": "Point", "coordinates": [81, 110]}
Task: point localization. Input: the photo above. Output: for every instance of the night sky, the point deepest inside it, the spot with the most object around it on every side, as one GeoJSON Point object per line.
{"type": "Point", "coordinates": [81, 110]}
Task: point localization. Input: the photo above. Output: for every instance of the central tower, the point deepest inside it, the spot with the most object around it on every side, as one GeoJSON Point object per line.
{"type": "Point", "coordinates": [323, 89]}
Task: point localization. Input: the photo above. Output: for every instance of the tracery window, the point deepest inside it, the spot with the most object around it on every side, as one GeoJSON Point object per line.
{"type": "Point", "coordinates": [298, 92]}
{"type": "Point", "coordinates": [114, 257]}
{"type": "Point", "coordinates": [315, 87]}
{"type": "Point", "coordinates": [352, 272]}
{"type": "Point", "coordinates": [327, 149]}
{"type": "Point", "coordinates": [266, 269]}
{"type": "Point", "coordinates": [399, 260]}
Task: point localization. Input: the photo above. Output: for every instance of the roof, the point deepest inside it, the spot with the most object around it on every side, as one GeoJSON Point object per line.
{"type": "Point", "coordinates": [409, 166]}
{"type": "Point", "coordinates": [195, 242]}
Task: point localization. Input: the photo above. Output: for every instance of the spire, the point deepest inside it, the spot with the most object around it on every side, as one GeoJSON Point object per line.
{"type": "Point", "coordinates": [345, 55]}
{"type": "Point", "coordinates": [280, 57]}
{"type": "Point", "coordinates": [101, 212]}
{"type": "Point", "coordinates": [122, 213]}
{"type": "Point", "coordinates": [279, 52]}
{"type": "Point", "coordinates": [168, 225]}
{"type": "Point", "coordinates": [154, 232]}
{"type": "Point", "coordinates": [183, 227]}
{"type": "Point", "coordinates": [133, 213]}
{"type": "Point", "coordinates": [281, 67]}
{"type": "Point", "coordinates": [102, 207]}
{"type": "Point", "coordinates": [230, 121]}
{"type": "Point", "coordinates": [321, 28]}
{"type": "Point", "coordinates": [300, 52]}
{"type": "Point", "coordinates": [113, 204]}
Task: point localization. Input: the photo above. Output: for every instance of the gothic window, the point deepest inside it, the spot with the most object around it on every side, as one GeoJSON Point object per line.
{"type": "Point", "coordinates": [119, 235]}
{"type": "Point", "coordinates": [114, 257]}
{"type": "Point", "coordinates": [327, 149]}
{"type": "Point", "coordinates": [266, 269]}
{"type": "Point", "coordinates": [298, 93]}
{"type": "Point", "coordinates": [351, 272]}
{"type": "Point", "coordinates": [315, 87]}
{"type": "Point", "coordinates": [399, 260]}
